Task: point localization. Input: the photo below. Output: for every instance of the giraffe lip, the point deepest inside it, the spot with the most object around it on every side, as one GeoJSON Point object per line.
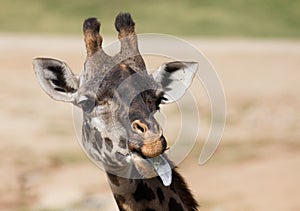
{"type": "Point", "coordinates": [149, 148]}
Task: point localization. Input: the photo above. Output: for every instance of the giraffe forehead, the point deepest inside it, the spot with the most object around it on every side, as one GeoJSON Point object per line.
{"type": "Point", "coordinates": [127, 82]}
{"type": "Point", "coordinates": [119, 78]}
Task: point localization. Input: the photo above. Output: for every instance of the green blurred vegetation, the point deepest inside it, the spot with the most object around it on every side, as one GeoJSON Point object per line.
{"type": "Point", "coordinates": [229, 18]}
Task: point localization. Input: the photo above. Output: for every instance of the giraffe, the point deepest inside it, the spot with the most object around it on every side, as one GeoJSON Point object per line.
{"type": "Point", "coordinates": [119, 98]}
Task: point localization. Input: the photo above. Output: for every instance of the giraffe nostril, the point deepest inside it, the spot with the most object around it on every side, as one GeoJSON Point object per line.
{"type": "Point", "coordinates": [139, 127]}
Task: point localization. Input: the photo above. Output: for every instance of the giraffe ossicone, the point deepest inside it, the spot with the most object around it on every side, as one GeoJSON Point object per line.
{"type": "Point", "coordinates": [118, 99]}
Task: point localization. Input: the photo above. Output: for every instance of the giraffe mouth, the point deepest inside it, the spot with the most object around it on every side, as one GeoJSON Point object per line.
{"type": "Point", "coordinates": [149, 148]}
{"type": "Point", "coordinates": [153, 167]}
{"type": "Point", "coordinates": [149, 159]}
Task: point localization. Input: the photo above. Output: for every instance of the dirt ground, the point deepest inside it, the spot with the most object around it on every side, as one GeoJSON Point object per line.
{"type": "Point", "coordinates": [256, 167]}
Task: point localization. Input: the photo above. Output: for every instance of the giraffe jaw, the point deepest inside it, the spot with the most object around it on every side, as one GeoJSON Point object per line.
{"type": "Point", "coordinates": [152, 167]}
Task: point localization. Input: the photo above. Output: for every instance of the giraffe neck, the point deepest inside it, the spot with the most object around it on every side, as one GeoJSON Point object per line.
{"type": "Point", "coordinates": [151, 194]}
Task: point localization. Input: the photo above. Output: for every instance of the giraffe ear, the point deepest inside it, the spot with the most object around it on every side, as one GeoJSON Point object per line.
{"type": "Point", "coordinates": [56, 79]}
{"type": "Point", "coordinates": [175, 78]}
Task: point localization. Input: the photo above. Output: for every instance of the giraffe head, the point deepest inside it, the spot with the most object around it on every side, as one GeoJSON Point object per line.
{"type": "Point", "coordinates": [117, 95]}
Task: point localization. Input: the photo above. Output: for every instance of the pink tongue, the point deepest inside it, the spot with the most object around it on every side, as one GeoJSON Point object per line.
{"type": "Point", "coordinates": [162, 168]}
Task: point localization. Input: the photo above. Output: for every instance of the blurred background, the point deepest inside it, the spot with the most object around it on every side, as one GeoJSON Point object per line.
{"type": "Point", "coordinates": [255, 49]}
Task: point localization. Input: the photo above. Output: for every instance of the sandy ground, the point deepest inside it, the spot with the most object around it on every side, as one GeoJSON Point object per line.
{"type": "Point", "coordinates": [256, 167]}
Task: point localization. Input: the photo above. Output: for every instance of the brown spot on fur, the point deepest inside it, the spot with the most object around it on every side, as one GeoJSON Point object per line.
{"type": "Point", "coordinates": [113, 178]}
{"type": "Point", "coordinates": [137, 63]}
{"type": "Point", "coordinates": [122, 143]}
{"type": "Point", "coordinates": [98, 140]}
{"type": "Point", "coordinates": [173, 205]}
{"type": "Point", "coordinates": [143, 192]}
{"type": "Point", "coordinates": [160, 195]}
{"type": "Point", "coordinates": [108, 144]}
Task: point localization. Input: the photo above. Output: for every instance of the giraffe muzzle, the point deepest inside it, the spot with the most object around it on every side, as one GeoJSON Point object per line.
{"type": "Point", "coordinates": [150, 148]}
{"type": "Point", "coordinates": [152, 143]}
{"type": "Point", "coordinates": [154, 148]}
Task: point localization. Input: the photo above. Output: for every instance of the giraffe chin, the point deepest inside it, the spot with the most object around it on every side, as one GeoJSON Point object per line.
{"type": "Point", "coordinates": [152, 167]}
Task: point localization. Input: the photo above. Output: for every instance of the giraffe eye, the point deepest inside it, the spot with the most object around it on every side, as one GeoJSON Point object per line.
{"type": "Point", "coordinates": [87, 103]}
